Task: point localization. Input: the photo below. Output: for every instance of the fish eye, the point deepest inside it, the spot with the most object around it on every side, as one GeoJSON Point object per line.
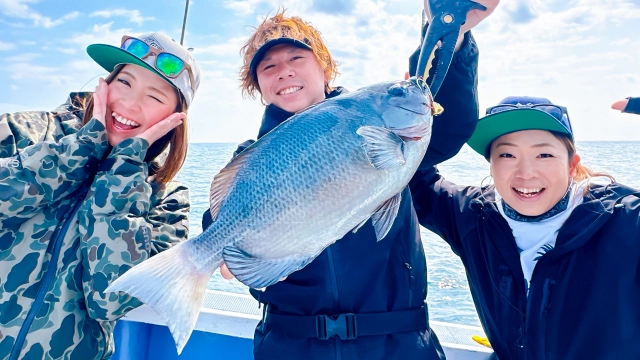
{"type": "Point", "coordinates": [397, 90]}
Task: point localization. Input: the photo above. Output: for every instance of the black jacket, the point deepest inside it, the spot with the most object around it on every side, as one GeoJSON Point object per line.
{"type": "Point", "coordinates": [584, 297]}
{"type": "Point", "coordinates": [357, 274]}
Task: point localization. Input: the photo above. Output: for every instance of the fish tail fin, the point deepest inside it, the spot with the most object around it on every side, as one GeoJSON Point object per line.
{"type": "Point", "coordinates": [172, 285]}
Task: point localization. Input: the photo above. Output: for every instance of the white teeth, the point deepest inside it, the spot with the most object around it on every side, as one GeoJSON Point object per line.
{"type": "Point", "coordinates": [124, 120]}
{"type": "Point", "coordinates": [289, 90]}
{"type": "Point", "coordinates": [528, 191]}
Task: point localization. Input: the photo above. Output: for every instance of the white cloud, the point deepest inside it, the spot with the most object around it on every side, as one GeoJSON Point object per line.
{"type": "Point", "coordinates": [12, 108]}
{"type": "Point", "coordinates": [219, 112]}
{"type": "Point", "coordinates": [20, 9]}
{"type": "Point", "coordinates": [6, 46]}
{"type": "Point", "coordinates": [100, 34]}
{"type": "Point", "coordinates": [243, 7]}
{"type": "Point", "coordinates": [230, 47]}
{"type": "Point", "coordinates": [370, 43]}
{"type": "Point", "coordinates": [68, 51]}
{"type": "Point", "coordinates": [44, 74]}
{"type": "Point", "coordinates": [133, 15]}
{"type": "Point", "coordinates": [26, 57]}
{"type": "Point", "coordinates": [578, 53]}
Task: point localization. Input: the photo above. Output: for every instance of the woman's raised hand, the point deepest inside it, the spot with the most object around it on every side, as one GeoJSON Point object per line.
{"type": "Point", "coordinates": [163, 127]}
{"type": "Point", "coordinates": [474, 17]}
{"type": "Point", "coordinates": [629, 105]}
{"type": "Point", "coordinates": [100, 99]}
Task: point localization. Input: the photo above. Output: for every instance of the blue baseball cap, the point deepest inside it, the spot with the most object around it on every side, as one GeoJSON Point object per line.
{"type": "Point", "coordinates": [517, 113]}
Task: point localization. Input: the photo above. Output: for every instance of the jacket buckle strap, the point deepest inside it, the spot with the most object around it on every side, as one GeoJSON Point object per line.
{"type": "Point", "coordinates": [344, 326]}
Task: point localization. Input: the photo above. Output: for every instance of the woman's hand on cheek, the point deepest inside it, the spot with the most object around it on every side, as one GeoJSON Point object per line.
{"type": "Point", "coordinates": [100, 99]}
{"type": "Point", "coordinates": [162, 127]}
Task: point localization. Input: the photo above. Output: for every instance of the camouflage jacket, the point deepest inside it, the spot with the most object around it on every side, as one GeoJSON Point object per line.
{"type": "Point", "coordinates": [51, 278]}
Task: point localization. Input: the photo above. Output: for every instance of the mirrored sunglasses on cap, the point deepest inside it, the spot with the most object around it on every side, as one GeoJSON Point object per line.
{"type": "Point", "coordinates": [557, 112]}
{"type": "Point", "coordinates": [166, 63]}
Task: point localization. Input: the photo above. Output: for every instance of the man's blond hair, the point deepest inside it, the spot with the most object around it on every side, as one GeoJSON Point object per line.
{"type": "Point", "coordinates": [280, 26]}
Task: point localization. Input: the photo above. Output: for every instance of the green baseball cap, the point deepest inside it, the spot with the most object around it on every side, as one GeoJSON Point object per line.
{"type": "Point", "coordinates": [157, 53]}
{"type": "Point", "coordinates": [517, 113]}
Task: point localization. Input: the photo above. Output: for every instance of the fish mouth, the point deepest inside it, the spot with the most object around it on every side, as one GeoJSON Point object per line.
{"type": "Point", "coordinates": [414, 110]}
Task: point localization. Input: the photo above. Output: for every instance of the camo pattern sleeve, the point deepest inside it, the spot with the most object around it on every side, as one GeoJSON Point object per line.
{"type": "Point", "coordinates": [47, 171]}
{"type": "Point", "coordinates": [123, 222]}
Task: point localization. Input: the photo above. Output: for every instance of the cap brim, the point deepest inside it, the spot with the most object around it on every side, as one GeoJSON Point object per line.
{"type": "Point", "coordinates": [271, 43]}
{"type": "Point", "coordinates": [493, 126]}
{"type": "Point", "coordinates": [109, 57]}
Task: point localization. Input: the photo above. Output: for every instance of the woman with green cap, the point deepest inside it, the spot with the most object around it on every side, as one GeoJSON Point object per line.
{"type": "Point", "coordinates": [551, 249]}
{"type": "Point", "coordinates": [85, 196]}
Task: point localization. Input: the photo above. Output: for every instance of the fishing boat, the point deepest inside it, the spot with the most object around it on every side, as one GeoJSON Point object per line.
{"type": "Point", "coordinates": [225, 331]}
{"type": "Point", "coordinates": [227, 321]}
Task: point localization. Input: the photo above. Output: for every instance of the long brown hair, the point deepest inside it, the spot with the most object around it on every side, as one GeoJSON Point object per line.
{"type": "Point", "coordinates": [176, 140]}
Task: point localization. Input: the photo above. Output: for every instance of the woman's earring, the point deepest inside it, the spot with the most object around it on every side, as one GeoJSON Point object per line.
{"type": "Point", "coordinates": [489, 182]}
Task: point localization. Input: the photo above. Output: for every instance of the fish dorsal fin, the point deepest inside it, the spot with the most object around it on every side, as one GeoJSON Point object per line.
{"type": "Point", "coordinates": [222, 182]}
{"type": "Point", "coordinates": [384, 148]}
{"type": "Point", "coordinates": [258, 273]}
{"type": "Point", "coordinates": [384, 216]}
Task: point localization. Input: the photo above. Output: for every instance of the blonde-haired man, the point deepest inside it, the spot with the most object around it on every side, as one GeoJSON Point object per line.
{"type": "Point", "coordinates": [359, 299]}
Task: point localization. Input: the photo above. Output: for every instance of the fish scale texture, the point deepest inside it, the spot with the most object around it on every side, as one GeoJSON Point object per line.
{"type": "Point", "coordinates": [309, 181]}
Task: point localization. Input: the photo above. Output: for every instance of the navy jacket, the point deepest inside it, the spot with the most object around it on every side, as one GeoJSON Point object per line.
{"type": "Point", "coordinates": [584, 297]}
{"type": "Point", "coordinates": [358, 274]}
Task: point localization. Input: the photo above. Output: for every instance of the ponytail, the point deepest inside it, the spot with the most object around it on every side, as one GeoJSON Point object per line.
{"type": "Point", "coordinates": [581, 172]}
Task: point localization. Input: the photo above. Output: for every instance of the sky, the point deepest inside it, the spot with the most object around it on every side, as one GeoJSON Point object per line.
{"type": "Point", "coordinates": [582, 54]}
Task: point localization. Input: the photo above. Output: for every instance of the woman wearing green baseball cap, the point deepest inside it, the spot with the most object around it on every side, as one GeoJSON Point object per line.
{"type": "Point", "coordinates": [85, 196]}
{"type": "Point", "coordinates": [551, 249]}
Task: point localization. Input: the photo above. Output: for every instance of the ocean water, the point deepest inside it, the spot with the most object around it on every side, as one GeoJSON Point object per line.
{"type": "Point", "coordinates": [448, 295]}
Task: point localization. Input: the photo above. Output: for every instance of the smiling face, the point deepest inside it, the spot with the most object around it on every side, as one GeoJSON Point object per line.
{"type": "Point", "coordinates": [138, 99]}
{"type": "Point", "coordinates": [291, 78]}
{"type": "Point", "coordinates": [531, 170]}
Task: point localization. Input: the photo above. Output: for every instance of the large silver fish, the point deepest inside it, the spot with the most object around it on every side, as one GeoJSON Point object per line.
{"type": "Point", "coordinates": [297, 190]}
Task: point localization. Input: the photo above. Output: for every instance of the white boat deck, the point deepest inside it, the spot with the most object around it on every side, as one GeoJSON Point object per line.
{"type": "Point", "coordinates": [237, 315]}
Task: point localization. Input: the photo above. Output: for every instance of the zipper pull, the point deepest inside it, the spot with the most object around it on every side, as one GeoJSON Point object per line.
{"type": "Point", "coordinates": [521, 337]}
{"type": "Point", "coordinates": [409, 267]}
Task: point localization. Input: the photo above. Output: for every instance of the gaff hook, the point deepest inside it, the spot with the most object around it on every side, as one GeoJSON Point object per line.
{"type": "Point", "coordinates": [448, 18]}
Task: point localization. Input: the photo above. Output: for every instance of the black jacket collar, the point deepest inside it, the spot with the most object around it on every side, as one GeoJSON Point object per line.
{"type": "Point", "coordinates": [584, 221]}
{"type": "Point", "coordinates": [274, 116]}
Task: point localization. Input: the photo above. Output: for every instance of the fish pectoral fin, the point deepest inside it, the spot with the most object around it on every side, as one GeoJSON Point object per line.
{"type": "Point", "coordinates": [385, 215]}
{"type": "Point", "coordinates": [258, 273]}
{"type": "Point", "coordinates": [355, 229]}
{"type": "Point", "coordinates": [419, 131]}
{"type": "Point", "coordinates": [383, 147]}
